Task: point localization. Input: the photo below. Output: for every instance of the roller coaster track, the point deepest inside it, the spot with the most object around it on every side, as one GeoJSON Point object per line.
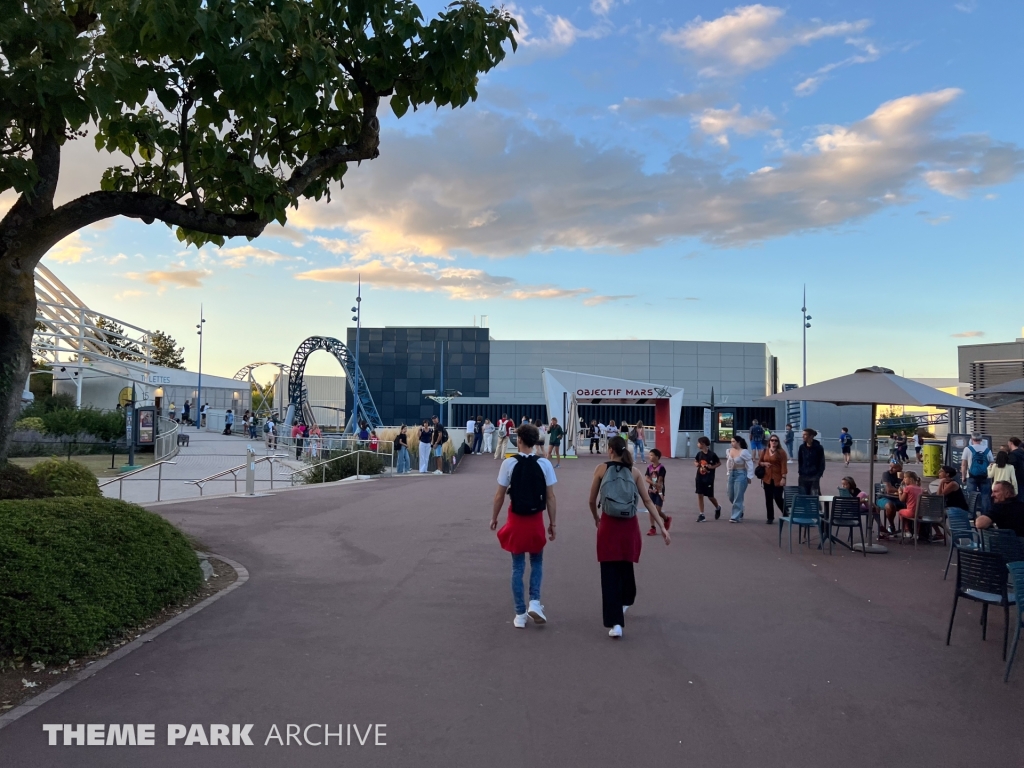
{"type": "Point", "coordinates": [262, 404]}
{"type": "Point", "coordinates": [365, 407]}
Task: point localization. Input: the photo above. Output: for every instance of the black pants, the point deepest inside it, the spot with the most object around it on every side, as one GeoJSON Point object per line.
{"type": "Point", "coordinates": [618, 588]}
{"type": "Point", "coordinates": [595, 443]}
{"type": "Point", "coordinates": [773, 494]}
{"type": "Point", "coordinates": [298, 447]}
{"type": "Point", "coordinates": [809, 486]}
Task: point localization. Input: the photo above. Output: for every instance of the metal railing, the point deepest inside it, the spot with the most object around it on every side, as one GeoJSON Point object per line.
{"type": "Point", "coordinates": [234, 472]}
{"type": "Point", "coordinates": [323, 465]}
{"type": "Point", "coordinates": [166, 440]}
{"type": "Point", "coordinates": [160, 473]}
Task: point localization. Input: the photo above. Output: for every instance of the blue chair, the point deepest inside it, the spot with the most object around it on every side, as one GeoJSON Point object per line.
{"type": "Point", "coordinates": [805, 514]}
{"type": "Point", "coordinates": [961, 533]}
{"type": "Point", "coordinates": [788, 494]}
{"type": "Point", "coordinates": [1017, 578]}
{"type": "Point", "coordinates": [846, 514]}
{"type": "Point", "coordinates": [981, 577]}
{"type": "Point", "coordinates": [1003, 542]}
{"type": "Point", "coordinates": [973, 503]}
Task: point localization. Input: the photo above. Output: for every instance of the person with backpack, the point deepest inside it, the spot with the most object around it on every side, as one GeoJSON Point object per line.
{"type": "Point", "coordinates": [438, 439]}
{"type": "Point", "coordinates": [974, 466]}
{"type": "Point", "coordinates": [529, 482]}
{"type": "Point", "coordinates": [756, 439]}
{"type": "Point", "coordinates": [616, 489]}
{"type": "Point", "coordinates": [505, 426]}
{"type": "Point", "coordinates": [555, 434]}
{"type": "Point", "coordinates": [268, 432]}
{"type": "Point", "coordinates": [846, 444]}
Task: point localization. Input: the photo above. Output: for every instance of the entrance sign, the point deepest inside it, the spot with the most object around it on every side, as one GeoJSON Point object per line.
{"type": "Point", "coordinates": [590, 389]}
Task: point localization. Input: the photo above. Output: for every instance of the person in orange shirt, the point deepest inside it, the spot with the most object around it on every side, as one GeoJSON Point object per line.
{"type": "Point", "coordinates": [909, 494]}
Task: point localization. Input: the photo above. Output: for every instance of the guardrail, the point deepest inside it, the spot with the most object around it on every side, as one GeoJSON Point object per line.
{"type": "Point", "coordinates": [166, 439]}
{"type": "Point", "coordinates": [158, 478]}
{"type": "Point", "coordinates": [323, 465]}
{"type": "Point", "coordinates": [234, 471]}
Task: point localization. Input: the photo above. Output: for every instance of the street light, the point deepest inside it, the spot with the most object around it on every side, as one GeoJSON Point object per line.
{"type": "Point", "coordinates": [199, 389]}
{"type": "Point", "coordinates": [357, 318]}
{"type": "Point", "coordinates": [806, 325]}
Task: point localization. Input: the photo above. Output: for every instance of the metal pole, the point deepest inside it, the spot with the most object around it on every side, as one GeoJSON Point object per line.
{"type": "Point", "coordinates": [441, 409]}
{"type": "Point", "coordinates": [159, 479]}
{"type": "Point", "coordinates": [359, 325]}
{"type": "Point", "coordinates": [197, 405]}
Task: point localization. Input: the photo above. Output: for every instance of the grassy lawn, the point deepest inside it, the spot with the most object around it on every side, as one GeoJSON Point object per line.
{"type": "Point", "coordinates": [98, 464]}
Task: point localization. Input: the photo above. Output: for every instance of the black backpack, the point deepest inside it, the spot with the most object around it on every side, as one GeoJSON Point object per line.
{"type": "Point", "coordinates": [527, 488]}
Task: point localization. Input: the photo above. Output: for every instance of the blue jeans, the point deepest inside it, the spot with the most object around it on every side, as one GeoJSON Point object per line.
{"type": "Point", "coordinates": [536, 574]}
{"type": "Point", "coordinates": [789, 449]}
{"type": "Point", "coordinates": [403, 460]}
{"type": "Point", "coordinates": [984, 487]}
{"type": "Point", "coordinates": [737, 487]}
{"type": "Point", "coordinates": [638, 451]}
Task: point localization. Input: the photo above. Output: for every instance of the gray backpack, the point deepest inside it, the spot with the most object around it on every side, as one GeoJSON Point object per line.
{"type": "Point", "coordinates": [618, 495]}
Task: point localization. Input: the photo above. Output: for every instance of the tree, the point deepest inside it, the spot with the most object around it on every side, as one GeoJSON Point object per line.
{"type": "Point", "coordinates": [228, 111]}
{"type": "Point", "coordinates": [165, 351]}
{"type": "Point", "coordinates": [120, 347]}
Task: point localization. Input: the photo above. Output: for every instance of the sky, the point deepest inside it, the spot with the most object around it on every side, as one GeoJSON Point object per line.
{"type": "Point", "coordinates": [646, 169]}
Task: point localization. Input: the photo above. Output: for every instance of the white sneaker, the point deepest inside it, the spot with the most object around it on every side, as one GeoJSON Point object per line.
{"type": "Point", "coordinates": [536, 612]}
{"type": "Point", "coordinates": [624, 609]}
{"type": "Point", "coordinates": [519, 622]}
{"type": "Point", "coordinates": [615, 632]}
{"type": "Point", "coordinates": [438, 472]}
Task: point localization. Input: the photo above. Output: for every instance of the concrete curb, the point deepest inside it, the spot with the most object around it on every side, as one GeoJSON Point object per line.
{"type": "Point", "coordinates": [51, 693]}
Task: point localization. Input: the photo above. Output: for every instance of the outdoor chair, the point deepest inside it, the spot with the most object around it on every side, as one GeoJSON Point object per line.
{"type": "Point", "coordinates": [1017, 578]}
{"type": "Point", "coordinates": [846, 514]}
{"type": "Point", "coordinates": [981, 577]}
{"type": "Point", "coordinates": [931, 509]}
{"type": "Point", "coordinates": [973, 503]}
{"type": "Point", "coordinates": [1004, 543]}
{"type": "Point", "coordinates": [961, 534]}
{"type": "Point", "coordinates": [788, 494]}
{"type": "Point", "coordinates": [805, 514]}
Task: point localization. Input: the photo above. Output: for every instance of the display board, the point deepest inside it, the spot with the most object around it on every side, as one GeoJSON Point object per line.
{"type": "Point", "coordinates": [956, 444]}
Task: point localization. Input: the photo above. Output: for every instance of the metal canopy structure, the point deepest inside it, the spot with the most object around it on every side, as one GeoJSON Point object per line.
{"type": "Point", "coordinates": [264, 403]}
{"type": "Point", "coordinates": [365, 408]}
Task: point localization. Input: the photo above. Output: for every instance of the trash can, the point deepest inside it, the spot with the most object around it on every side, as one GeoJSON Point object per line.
{"type": "Point", "coordinates": [932, 459]}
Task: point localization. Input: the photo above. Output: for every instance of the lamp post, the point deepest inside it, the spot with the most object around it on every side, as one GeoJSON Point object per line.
{"type": "Point", "coordinates": [199, 387]}
{"type": "Point", "coordinates": [806, 325]}
{"type": "Point", "coordinates": [357, 316]}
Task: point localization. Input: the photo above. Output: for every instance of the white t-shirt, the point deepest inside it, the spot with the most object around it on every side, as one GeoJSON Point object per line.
{"type": "Point", "coordinates": [505, 472]}
{"type": "Point", "coordinates": [470, 426]}
{"type": "Point", "coordinates": [611, 431]}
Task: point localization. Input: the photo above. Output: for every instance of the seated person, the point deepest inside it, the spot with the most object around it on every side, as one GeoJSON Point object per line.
{"type": "Point", "coordinates": [848, 487]}
{"type": "Point", "coordinates": [889, 500]}
{"type": "Point", "coordinates": [1007, 512]}
{"type": "Point", "coordinates": [950, 489]}
{"type": "Point", "coordinates": [909, 494]}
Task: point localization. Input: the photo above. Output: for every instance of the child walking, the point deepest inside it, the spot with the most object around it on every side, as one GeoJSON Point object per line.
{"type": "Point", "coordinates": [706, 462]}
{"type": "Point", "coordinates": [655, 476]}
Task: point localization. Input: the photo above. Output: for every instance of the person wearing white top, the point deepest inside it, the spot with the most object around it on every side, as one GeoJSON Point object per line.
{"type": "Point", "coordinates": [470, 427]}
{"type": "Point", "coordinates": [488, 436]}
{"type": "Point", "coordinates": [740, 466]}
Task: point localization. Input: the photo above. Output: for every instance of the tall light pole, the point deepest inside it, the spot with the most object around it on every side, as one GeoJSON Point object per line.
{"type": "Point", "coordinates": [199, 387]}
{"type": "Point", "coordinates": [357, 315]}
{"type": "Point", "coordinates": [806, 325]}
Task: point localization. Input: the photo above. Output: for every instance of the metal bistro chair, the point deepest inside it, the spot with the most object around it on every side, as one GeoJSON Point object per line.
{"type": "Point", "coordinates": [981, 577]}
{"type": "Point", "coordinates": [973, 503]}
{"type": "Point", "coordinates": [789, 493]}
{"type": "Point", "coordinates": [846, 514]}
{"type": "Point", "coordinates": [931, 509]}
{"type": "Point", "coordinates": [958, 523]}
{"type": "Point", "coordinates": [1017, 578]}
{"type": "Point", "coordinates": [805, 514]}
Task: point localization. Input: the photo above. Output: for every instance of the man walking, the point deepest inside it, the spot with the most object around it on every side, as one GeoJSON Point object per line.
{"type": "Point", "coordinates": [974, 466]}
{"type": "Point", "coordinates": [504, 426]}
{"type": "Point", "coordinates": [185, 410]}
{"type": "Point", "coordinates": [229, 421]}
{"type": "Point", "coordinates": [810, 464]}
{"type": "Point", "coordinates": [756, 439]}
{"type": "Point", "coordinates": [789, 442]}
{"type": "Point", "coordinates": [440, 437]}
{"type": "Point", "coordinates": [846, 444]}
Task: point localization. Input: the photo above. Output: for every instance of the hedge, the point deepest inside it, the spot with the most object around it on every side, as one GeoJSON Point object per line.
{"type": "Point", "coordinates": [369, 464]}
{"type": "Point", "coordinates": [17, 483]}
{"type": "Point", "coordinates": [66, 478]}
{"type": "Point", "coordinates": [76, 572]}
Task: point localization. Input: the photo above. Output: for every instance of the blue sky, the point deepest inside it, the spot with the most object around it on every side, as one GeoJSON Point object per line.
{"type": "Point", "coordinates": [648, 169]}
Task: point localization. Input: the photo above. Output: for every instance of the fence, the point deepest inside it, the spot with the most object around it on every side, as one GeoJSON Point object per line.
{"type": "Point", "coordinates": [166, 446]}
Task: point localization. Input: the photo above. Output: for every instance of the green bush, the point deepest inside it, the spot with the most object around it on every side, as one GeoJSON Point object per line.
{"type": "Point", "coordinates": [76, 572]}
{"type": "Point", "coordinates": [31, 422]}
{"type": "Point", "coordinates": [18, 483]}
{"type": "Point", "coordinates": [66, 478]}
{"type": "Point", "coordinates": [369, 464]}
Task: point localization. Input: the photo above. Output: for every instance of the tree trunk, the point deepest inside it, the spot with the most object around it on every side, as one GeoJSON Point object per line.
{"type": "Point", "coordinates": [17, 323]}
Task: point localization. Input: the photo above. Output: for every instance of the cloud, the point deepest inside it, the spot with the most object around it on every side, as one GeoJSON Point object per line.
{"type": "Point", "coordinates": [968, 334]}
{"type": "Point", "coordinates": [868, 54]}
{"type": "Point", "coordinates": [601, 7]}
{"type": "Point", "coordinates": [595, 301]}
{"type": "Point", "coordinates": [70, 250]}
{"type": "Point", "coordinates": [129, 294]}
{"type": "Point", "coordinates": [458, 283]}
{"type": "Point", "coordinates": [182, 278]}
{"type": "Point", "coordinates": [718, 123]}
{"type": "Point", "coordinates": [490, 185]}
{"type": "Point", "coordinates": [679, 104]}
{"type": "Point", "coordinates": [559, 35]}
{"type": "Point", "coordinates": [243, 255]}
{"type": "Point", "coordinates": [750, 37]}
{"type": "Point", "coordinates": [968, 7]}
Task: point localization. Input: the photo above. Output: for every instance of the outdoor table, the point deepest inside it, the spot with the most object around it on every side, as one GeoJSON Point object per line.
{"type": "Point", "coordinates": [825, 527]}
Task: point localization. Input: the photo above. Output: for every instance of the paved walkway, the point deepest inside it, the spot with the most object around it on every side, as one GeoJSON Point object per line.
{"type": "Point", "coordinates": [388, 602]}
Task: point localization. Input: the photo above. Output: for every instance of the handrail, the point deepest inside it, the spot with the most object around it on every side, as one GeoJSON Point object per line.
{"type": "Point", "coordinates": [121, 478]}
{"type": "Point", "coordinates": [323, 472]}
{"type": "Point", "coordinates": [234, 471]}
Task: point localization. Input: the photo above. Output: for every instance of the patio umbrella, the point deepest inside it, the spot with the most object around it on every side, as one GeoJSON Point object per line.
{"type": "Point", "coordinates": [875, 386]}
{"type": "Point", "coordinates": [1001, 394]}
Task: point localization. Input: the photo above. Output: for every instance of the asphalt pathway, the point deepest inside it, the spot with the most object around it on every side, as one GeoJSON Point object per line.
{"type": "Point", "coordinates": [388, 602]}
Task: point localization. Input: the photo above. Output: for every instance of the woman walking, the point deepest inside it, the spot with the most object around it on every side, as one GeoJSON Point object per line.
{"type": "Point", "coordinates": [740, 466]}
{"type": "Point", "coordinates": [617, 486]}
{"type": "Point", "coordinates": [426, 439]}
{"type": "Point", "coordinates": [637, 437]}
{"type": "Point", "coordinates": [402, 446]}
{"type": "Point", "coordinates": [775, 463]}
{"type": "Point", "coordinates": [488, 436]}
